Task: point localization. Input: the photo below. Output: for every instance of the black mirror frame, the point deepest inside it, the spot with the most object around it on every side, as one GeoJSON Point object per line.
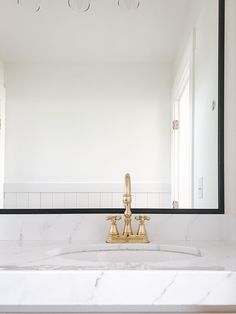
{"type": "Point", "coordinates": [221, 200]}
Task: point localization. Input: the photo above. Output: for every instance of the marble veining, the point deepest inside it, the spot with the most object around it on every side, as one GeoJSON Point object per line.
{"type": "Point", "coordinates": [36, 276]}
{"type": "Point", "coordinates": [95, 228]}
{"type": "Point", "coordinates": [165, 289]}
{"type": "Point", "coordinates": [47, 265]}
{"type": "Point", "coordinates": [107, 288]}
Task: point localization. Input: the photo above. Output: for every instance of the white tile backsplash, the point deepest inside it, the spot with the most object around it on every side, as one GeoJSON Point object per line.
{"type": "Point", "coordinates": [22, 200]}
{"type": "Point", "coordinates": [34, 200]}
{"type": "Point", "coordinates": [82, 200]}
{"type": "Point", "coordinates": [153, 200]}
{"type": "Point", "coordinates": [87, 195]}
{"type": "Point", "coordinates": [46, 200]}
{"type": "Point", "coordinates": [165, 200]}
{"type": "Point", "coordinates": [70, 200]}
{"type": "Point", "coordinates": [85, 200]}
{"type": "Point", "coordinates": [106, 200]}
{"type": "Point", "coordinates": [118, 200]}
{"type": "Point", "coordinates": [10, 200]}
{"type": "Point", "coordinates": [58, 200]}
{"type": "Point", "coordinates": [141, 200]}
{"type": "Point", "coordinates": [94, 200]}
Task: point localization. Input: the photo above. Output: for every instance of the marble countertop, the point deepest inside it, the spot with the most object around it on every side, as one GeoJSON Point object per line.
{"type": "Point", "coordinates": [37, 255]}
{"type": "Point", "coordinates": [39, 276]}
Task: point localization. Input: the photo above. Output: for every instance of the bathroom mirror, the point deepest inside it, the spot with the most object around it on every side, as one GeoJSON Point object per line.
{"type": "Point", "coordinates": [93, 90]}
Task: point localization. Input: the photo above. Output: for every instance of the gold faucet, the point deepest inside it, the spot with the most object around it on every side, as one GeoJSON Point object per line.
{"type": "Point", "coordinates": [127, 236]}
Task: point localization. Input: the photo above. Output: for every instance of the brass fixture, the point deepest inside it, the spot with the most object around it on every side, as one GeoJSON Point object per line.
{"type": "Point", "coordinates": [113, 230]}
{"type": "Point", "coordinates": [127, 236]}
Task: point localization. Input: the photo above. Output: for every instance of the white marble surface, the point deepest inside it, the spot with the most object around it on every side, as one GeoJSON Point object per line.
{"type": "Point", "coordinates": [38, 255]}
{"type": "Point", "coordinates": [36, 276]}
{"type": "Point", "coordinates": [95, 227]}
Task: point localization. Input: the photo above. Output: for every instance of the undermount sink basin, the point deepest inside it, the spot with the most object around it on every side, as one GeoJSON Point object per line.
{"type": "Point", "coordinates": [147, 253]}
{"type": "Point", "coordinates": [121, 256]}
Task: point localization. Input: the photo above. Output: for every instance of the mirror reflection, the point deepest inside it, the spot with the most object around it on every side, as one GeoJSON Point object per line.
{"type": "Point", "coordinates": [91, 90]}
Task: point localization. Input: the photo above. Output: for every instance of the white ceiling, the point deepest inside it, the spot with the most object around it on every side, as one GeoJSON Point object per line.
{"type": "Point", "coordinates": [106, 33]}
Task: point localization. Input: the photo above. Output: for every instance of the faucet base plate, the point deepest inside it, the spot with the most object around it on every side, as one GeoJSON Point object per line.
{"type": "Point", "coordinates": [127, 239]}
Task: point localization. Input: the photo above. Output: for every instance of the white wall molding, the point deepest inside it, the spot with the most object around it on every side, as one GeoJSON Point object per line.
{"type": "Point", "coordinates": [84, 187]}
{"type": "Point", "coordinates": [84, 195]}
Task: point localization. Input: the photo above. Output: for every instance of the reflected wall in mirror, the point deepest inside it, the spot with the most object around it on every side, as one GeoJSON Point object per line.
{"type": "Point", "coordinates": [93, 94]}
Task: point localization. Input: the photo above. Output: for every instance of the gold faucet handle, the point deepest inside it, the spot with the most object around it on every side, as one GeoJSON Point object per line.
{"type": "Point", "coordinates": [141, 219]}
{"type": "Point", "coordinates": [113, 229]}
{"type": "Point", "coordinates": [141, 229]}
{"type": "Point", "coordinates": [113, 219]}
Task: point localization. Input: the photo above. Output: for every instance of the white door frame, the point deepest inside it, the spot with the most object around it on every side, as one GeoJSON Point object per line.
{"type": "Point", "coordinates": [184, 74]}
{"type": "Point", "coordinates": [2, 143]}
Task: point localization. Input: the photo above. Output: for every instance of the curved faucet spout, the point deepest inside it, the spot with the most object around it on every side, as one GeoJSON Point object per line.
{"type": "Point", "coordinates": [127, 199]}
{"type": "Point", "coordinates": [127, 184]}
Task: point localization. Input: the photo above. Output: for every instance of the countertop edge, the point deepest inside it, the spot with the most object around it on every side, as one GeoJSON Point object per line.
{"type": "Point", "coordinates": [118, 308]}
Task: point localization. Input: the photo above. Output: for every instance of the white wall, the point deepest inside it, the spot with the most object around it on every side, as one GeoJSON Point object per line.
{"type": "Point", "coordinates": [87, 123]}
{"type": "Point", "coordinates": [205, 119]}
{"type": "Point", "coordinates": [190, 22]}
{"type": "Point", "coordinates": [2, 133]}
